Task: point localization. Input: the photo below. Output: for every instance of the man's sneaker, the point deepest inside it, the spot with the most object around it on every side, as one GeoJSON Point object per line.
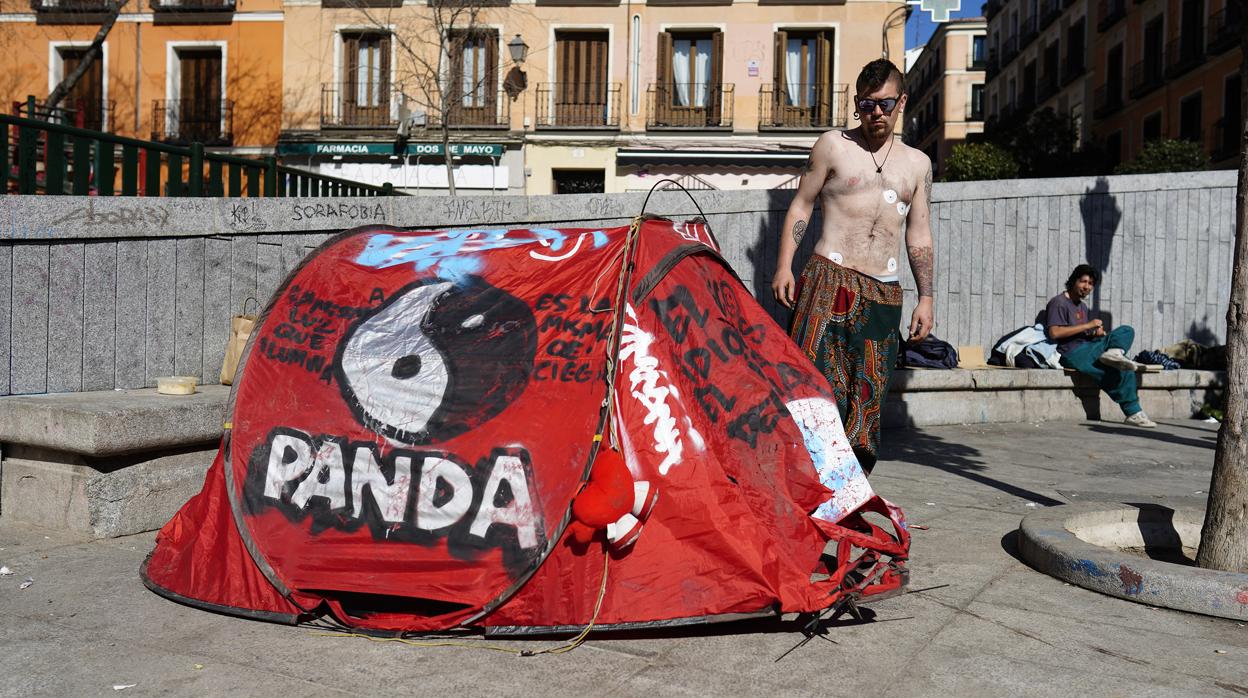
{"type": "Point", "coordinates": [1118, 359]}
{"type": "Point", "coordinates": [1139, 419]}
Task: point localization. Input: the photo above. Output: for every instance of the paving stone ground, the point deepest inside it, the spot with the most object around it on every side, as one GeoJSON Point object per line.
{"type": "Point", "coordinates": [977, 621]}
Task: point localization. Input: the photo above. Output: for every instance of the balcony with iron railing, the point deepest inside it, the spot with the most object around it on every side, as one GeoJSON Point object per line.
{"type": "Point", "coordinates": [1146, 76]}
{"type": "Point", "coordinates": [802, 107]}
{"type": "Point", "coordinates": [1009, 50]}
{"type": "Point", "coordinates": [376, 107]}
{"type": "Point", "coordinates": [689, 106]}
{"type": "Point", "coordinates": [578, 105]}
{"type": "Point", "coordinates": [1224, 27]}
{"type": "Point", "coordinates": [360, 105]}
{"type": "Point", "coordinates": [1049, 12]}
{"type": "Point", "coordinates": [79, 6]}
{"type": "Point", "coordinates": [979, 61]}
{"type": "Point", "coordinates": [1072, 68]}
{"type": "Point", "coordinates": [480, 109]}
{"type": "Point", "coordinates": [184, 122]}
{"type": "Point", "coordinates": [1109, 12]}
{"type": "Point", "coordinates": [1046, 87]}
{"type": "Point", "coordinates": [1183, 54]}
{"type": "Point", "coordinates": [193, 6]}
{"type": "Point", "coordinates": [1028, 32]}
{"type": "Point", "coordinates": [994, 64]}
{"type": "Point", "coordinates": [1106, 100]}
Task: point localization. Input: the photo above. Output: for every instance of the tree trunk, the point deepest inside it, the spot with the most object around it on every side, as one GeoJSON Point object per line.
{"type": "Point", "coordinates": [1224, 539]}
{"type": "Point", "coordinates": [448, 159]}
{"type": "Point", "coordinates": [93, 53]}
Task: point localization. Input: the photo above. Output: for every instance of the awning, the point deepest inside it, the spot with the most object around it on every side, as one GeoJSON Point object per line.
{"type": "Point", "coordinates": [638, 156]}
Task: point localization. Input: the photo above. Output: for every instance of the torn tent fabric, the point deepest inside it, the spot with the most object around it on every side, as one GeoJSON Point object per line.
{"type": "Point", "coordinates": [416, 413]}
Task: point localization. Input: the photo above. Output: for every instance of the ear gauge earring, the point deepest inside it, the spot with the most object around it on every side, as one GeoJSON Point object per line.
{"type": "Point", "coordinates": [857, 116]}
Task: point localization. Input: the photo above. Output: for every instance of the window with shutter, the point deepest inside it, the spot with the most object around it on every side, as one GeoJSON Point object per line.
{"type": "Point", "coordinates": [365, 89]}
{"type": "Point", "coordinates": [85, 102]}
{"type": "Point", "coordinates": [472, 86]}
{"type": "Point", "coordinates": [199, 110]}
{"type": "Point", "coordinates": [581, 69]}
{"type": "Point", "coordinates": [803, 93]}
{"type": "Point", "coordinates": [689, 88]}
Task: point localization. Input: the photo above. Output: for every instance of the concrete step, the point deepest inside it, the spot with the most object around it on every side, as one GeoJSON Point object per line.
{"type": "Point", "coordinates": [105, 464]}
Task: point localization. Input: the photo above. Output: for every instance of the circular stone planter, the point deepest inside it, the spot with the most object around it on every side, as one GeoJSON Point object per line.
{"type": "Point", "coordinates": [1082, 544]}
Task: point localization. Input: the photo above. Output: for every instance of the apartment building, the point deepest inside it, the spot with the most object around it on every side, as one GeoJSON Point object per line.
{"type": "Point", "coordinates": [177, 71]}
{"type": "Point", "coordinates": [551, 96]}
{"type": "Point", "coordinates": [1129, 71]}
{"type": "Point", "coordinates": [946, 85]}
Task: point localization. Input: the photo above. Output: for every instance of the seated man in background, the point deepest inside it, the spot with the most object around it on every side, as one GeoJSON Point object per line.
{"type": "Point", "coordinates": [1086, 347]}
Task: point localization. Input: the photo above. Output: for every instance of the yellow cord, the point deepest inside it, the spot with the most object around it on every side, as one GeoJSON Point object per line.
{"type": "Point", "coordinates": [561, 649]}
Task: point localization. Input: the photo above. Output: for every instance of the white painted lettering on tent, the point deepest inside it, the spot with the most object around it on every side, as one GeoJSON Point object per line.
{"type": "Point", "coordinates": [326, 466]}
{"type": "Point", "coordinates": [391, 495]}
{"type": "Point", "coordinates": [649, 386]}
{"type": "Point", "coordinates": [517, 513]}
{"type": "Point", "coordinates": [430, 516]}
{"type": "Point", "coordinates": [281, 470]}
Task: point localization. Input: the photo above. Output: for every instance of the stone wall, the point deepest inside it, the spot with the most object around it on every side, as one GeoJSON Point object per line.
{"type": "Point", "coordinates": [101, 293]}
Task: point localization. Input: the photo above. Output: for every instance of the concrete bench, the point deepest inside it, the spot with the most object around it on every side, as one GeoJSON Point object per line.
{"type": "Point", "coordinates": [919, 397]}
{"type": "Point", "coordinates": [107, 463]}
{"type": "Point", "coordinates": [113, 463]}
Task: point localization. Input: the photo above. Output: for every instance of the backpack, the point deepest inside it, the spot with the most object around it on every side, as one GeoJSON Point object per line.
{"type": "Point", "coordinates": [930, 353]}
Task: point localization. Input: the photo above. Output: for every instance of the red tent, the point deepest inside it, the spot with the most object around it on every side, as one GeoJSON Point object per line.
{"type": "Point", "coordinates": [417, 412]}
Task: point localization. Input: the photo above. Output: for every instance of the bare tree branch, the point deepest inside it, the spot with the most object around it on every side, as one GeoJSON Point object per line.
{"type": "Point", "coordinates": [93, 52]}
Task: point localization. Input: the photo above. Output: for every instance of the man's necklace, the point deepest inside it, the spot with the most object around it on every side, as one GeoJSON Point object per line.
{"type": "Point", "coordinates": [879, 166]}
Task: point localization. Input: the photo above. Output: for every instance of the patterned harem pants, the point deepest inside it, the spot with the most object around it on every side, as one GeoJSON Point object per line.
{"type": "Point", "coordinates": [847, 323]}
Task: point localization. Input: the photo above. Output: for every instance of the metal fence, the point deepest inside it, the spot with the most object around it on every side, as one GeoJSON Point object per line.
{"type": "Point", "coordinates": [41, 157]}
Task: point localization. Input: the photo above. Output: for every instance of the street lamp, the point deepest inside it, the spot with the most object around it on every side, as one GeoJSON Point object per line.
{"type": "Point", "coordinates": [518, 49]}
{"type": "Point", "coordinates": [516, 81]}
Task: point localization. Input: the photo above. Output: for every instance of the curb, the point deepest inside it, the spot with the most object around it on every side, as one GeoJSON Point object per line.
{"type": "Point", "coordinates": [1056, 541]}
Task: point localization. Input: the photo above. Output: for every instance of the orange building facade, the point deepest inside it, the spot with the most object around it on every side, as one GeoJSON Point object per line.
{"type": "Point", "coordinates": [609, 96]}
{"type": "Point", "coordinates": [176, 71]}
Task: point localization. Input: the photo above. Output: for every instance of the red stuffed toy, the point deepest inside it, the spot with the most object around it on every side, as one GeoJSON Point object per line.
{"type": "Point", "coordinates": [611, 500]}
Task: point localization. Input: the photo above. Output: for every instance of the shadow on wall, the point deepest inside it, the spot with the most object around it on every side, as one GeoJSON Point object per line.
{"type": "Point", "coordinates": [1101, 216]}
{"type": "Point", "coordinates": [1201, 333]}
{"type": "Point", "coordinates": [766, 249]}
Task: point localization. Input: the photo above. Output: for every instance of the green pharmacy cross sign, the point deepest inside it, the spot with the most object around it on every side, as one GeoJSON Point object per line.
{"type": "Point", "coordinates": [486, 149]}
{"type": "Point", "coordinates": [939, 9]}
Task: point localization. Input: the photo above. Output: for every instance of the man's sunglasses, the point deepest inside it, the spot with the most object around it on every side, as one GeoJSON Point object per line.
{"type": "Point", "coordinates": [886, 105]}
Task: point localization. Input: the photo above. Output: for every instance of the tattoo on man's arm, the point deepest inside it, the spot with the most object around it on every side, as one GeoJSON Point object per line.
{"type": "Point", "coordinates": [799, 231]}
{"type": "Point", "coordinates": [922, 262]}
{"type": "Point", "coordinates": [927, 185]}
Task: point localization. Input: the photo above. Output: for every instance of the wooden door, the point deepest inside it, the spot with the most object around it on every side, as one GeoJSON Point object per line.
{"type": "Point", "coordinates": [86, 99]}
{"type": "Point", "coordinates": [198, 111]}
{"type": "Point", "coordinates": [366, 92]}
{"type": "Point", "coordinates": [581, 67]}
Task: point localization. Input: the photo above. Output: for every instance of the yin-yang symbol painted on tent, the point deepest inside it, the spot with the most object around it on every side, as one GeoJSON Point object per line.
{"type": "Point", "coordinates": [437, 359]}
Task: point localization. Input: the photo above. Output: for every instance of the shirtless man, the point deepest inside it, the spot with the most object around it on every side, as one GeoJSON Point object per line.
{"type": "Point", "coordinates": [849, 299]}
